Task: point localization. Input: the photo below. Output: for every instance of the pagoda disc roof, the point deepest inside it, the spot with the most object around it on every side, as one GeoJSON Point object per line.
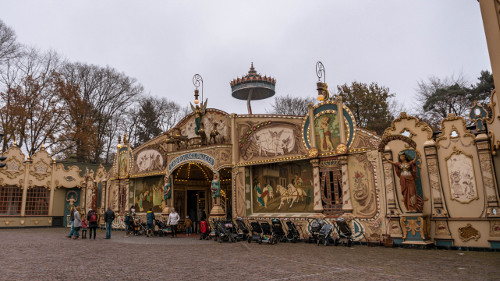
{"type": "Point", "coordinates": [262, 86]}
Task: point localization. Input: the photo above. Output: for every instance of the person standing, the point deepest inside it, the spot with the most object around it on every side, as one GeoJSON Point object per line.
{"type": "Point", "coordinates": [77, 223]}
{"type": "Point", "coordinates": [92, 218]}
{"type": "Point", "coordinates": [109, 217]}
{"type": "Point", "coordinates": [72, 219]}
{"type": "Point", "coordinates": [173, 220]}
{"type": "Point", "coordinates": [150, 218]}
{"type": "Point", "coordinates": [188, 224]}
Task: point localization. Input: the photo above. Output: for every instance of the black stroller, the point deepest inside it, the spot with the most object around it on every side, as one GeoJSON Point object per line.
{"type": "Point", "coordinates": [256, 232]}
{"type": "Point", "coordinates": [243, 232]}
{"type": "Point", "coordinates": [163, 230]}
{"type": "Point", "coordinates": [315, 226]}
{"type": "Point", "coordinates": [292, 234]}
{"type": "Point", "coordinates": [278, 232]}
{"type": "Point", "coordinates": [344, 231]}
{"type": "Point", "coordinates": [324, 235]}
{"type": "Point", "coordinates": [267, 233]}
{"type": "Point", "coordinates": [224, 231]}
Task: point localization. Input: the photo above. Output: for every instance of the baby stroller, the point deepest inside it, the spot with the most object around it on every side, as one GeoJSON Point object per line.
{"type": "Point", "coordinates": [243, 232]}
{"type": "Point", "coordinates": [224, 231]}
{"type": "Point", "coordinates": [278, 232]}
{"type": "Point", "coordinates": [315, 226]}
{"type": "Point", "coordinates": [324, 235]}
{"type": "Point", "coordinates": [344, 231]}
{"type": "Point", "coordinates": [292, 234]}
{"type": "Point", "coordinates": [142, 227]}
{"type": "Point", "coordinates": [256, 233]}
{"type": "Point", "coordinates": [267, 233]}
{"type": "Point", "coordinates": [204, 230]}
{"type": "Point", "coordinates": [163, 230]}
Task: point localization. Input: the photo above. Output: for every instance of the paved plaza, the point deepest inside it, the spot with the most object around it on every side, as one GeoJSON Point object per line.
{"type": "Point", "coordinates": [46, 254]}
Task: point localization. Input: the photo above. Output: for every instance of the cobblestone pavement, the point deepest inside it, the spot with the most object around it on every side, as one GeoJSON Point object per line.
{"type": "Point", "coordinates": [46, 254]}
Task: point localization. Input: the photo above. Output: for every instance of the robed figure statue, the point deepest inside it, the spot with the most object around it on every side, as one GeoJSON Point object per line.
{"type": "Point", "coordinates": [406, 170]}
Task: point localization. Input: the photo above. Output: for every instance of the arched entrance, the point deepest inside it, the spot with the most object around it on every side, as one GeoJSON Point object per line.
{"type": "Point", "coordinates": [191, 190]}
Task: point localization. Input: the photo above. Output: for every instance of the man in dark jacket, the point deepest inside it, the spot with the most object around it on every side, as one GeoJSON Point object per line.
{"type": "Point", "coordinates": [150, 218]}
{"type": "Point", "coordinates": [93, 219]}
{"type": "Point", "coordinates": [109, 217]}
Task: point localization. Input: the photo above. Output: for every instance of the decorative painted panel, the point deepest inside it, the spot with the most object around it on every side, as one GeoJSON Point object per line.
{"type": "Point", "coordinates": [461, 177]}
{"type": "Point", "coordinates": [284, 187]}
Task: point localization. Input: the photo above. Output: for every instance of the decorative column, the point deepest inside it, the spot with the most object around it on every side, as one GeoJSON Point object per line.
{"type": "Point", "coordinates": [491, 21]}
{"type": "Point", "coordinates": [52, 187]}
{"type": "Point", "coordinates": [340, 113]}
{"type": "Point", "coordinates": [318, 205]}
{"type": "Point", "coordinates": [489, 180]}
{"type": "Point", "coordinates": [438, 208]}
{"type": "Point", "coordinates": [390, 186]}
{"type": "Point", "coordinates": [25, 187]}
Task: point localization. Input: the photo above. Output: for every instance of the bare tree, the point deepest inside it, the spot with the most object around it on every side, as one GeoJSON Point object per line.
{"type": "Point", "coordinates": [105, 92]}
{"type": "Point", "coordinates": [288, 105]}
{"type": "Point", "coordinates": [9, 47]}
{"type": "Point", "coordinates": [31, 109]}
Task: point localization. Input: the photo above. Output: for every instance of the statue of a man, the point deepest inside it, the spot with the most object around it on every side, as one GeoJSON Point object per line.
{"type": "Point", "coordinates": [167, 189]}
{"type": "Point", "coordinates": [215, 186]}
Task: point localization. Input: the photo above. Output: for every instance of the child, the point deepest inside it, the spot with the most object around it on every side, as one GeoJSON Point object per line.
{"type": "Point", "coordinates": [84, 228]}
{"type": "Point", "coordinates": [188, 223]}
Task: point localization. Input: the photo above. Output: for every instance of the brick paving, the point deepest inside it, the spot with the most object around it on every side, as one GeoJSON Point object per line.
{"type": "Point", "coordinates": [45, 254]}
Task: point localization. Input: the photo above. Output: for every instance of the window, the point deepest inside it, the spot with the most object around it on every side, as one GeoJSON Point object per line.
{"type": "Point", "coordinates": [331, 190]}
{"type": "Point", "coordinates": [11, 198]}
{"type": "Point", "coordinates": [37, 201]}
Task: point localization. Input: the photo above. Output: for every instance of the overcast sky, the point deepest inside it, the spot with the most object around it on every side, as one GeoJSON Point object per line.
{"type": "Point", "coordinates": [164, 43]}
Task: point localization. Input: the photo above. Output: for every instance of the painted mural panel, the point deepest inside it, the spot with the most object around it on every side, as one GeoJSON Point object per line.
{"type": "Point", "coordinates": [282, 187]}
{"type": "Point", "coordinates": [149, 194]}
{"type": "Point", "coordinates": [327, 131]}
{"type": "Point", "coordinates": [364, 194]}
{"type": "Point", "coordinates": [123, 162]}
{"type": "Point", "coordinates": [461, 177]}
{"type": "Point", "coordinates": [269, 139]}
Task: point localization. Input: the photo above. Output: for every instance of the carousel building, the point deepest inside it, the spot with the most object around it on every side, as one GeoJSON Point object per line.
{"type": "Point", "coordinates": [409, 186]}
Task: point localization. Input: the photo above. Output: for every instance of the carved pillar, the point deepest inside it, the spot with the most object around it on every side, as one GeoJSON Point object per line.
{"type": "Point", "coordinates": [318, 205]}
{"type": "Point", "coordinates": [25, 185]}
{"type": "Point", "coordinates": [489, 180]}
{"type": "Point", "coordinates": [490, 11]}
{"type": "Point", "coordinates": [390, 186]}
{"type": "Point", "coordinates": [340, 113]}
{"type": "Point", "coordinates": [346, 190]}
{"type": "Point", "coordinates": [312, 135]}
{"type": "Point", "coordinates": [52, 187]}
{"type": "Point", "coordinates": [438, 207]}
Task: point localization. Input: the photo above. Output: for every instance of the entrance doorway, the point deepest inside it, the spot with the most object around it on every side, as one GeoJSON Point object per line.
{"type": "Point", "coordinates": [191, 190]}
{"type": "Point", "coordinates": [196, 204]}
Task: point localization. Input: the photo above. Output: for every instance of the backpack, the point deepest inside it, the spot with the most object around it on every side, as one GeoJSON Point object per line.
{"type": "Point", "coordinates": [93, 217]}
{"type": "Point", "coordinates": [203, 227]}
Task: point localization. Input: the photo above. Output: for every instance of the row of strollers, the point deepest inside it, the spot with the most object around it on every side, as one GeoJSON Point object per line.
{"type": "Point", "coordinates": [321, 232]}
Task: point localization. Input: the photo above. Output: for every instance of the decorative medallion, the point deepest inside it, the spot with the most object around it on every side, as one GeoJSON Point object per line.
{"type": "Point", "coordinates": [327, 128]}
{"type": "Point", "coordinates": [468, 232]}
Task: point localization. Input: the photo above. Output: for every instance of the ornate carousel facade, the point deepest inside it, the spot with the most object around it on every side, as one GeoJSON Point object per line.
{"type": "Point", "coordinates": [411, 185]}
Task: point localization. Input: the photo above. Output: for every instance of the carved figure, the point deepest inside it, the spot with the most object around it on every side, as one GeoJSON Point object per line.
{"type": "Point", "coordinates": [214, 133]}
{"type": "Point", "coordinates": [167, 189]}
{"type": "Point", "coordinates": [406, 170]}
{"type": "Point", "coordinates": [198, 111]}
{"type": "Point", "coordinates": [215, 186]}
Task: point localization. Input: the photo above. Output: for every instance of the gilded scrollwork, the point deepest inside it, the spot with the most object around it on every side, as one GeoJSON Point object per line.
{"type": "Point", "coordinates": [468, 232]}
{"type": "Point", "coordinates": [424, 127]}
